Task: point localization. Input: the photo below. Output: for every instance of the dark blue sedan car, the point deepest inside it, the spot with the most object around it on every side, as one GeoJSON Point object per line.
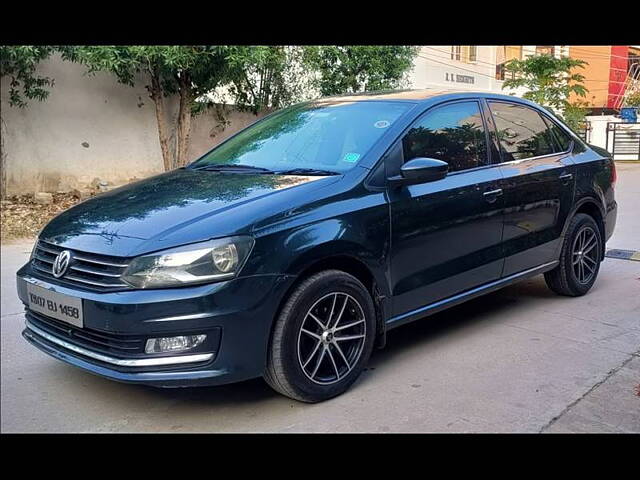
{"type": "Point", "coordinates": [290, 249]}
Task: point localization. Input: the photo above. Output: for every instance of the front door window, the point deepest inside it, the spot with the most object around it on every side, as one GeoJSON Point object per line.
{"type": "Point", "coordinates": [452, 133]}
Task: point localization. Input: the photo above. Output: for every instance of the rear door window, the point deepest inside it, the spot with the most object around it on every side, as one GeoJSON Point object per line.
{"type": "Point", "coordinates": [522, 131]}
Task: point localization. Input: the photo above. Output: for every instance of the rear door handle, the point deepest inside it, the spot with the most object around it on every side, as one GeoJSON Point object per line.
{"type": "Point", "coordinates": [566, 177]}
{"type": "Point", "coordinates": [490, 195]}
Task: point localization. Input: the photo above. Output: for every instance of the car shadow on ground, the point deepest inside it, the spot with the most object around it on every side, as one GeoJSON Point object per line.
{"type": "Point", "coordinates": [418, 334]}
{"type": "Point", "coordinates": [476, 312]}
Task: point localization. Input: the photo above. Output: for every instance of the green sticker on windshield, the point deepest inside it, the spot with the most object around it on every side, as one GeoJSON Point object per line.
{"type": "Point", "coordinates": [351, 157]}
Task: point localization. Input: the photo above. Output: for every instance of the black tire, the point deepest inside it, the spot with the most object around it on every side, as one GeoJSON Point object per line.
{"type": "Point", "coordinates": [285, 371]}
{"type": "Point", "coordinates": [567, 278]}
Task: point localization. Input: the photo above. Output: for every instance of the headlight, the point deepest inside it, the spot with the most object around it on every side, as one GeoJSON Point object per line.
{"type": "Point", "coordinates": [205, 262]}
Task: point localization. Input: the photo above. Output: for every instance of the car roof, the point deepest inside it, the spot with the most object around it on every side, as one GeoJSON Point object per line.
{"type": "Point", "coordinates": [414, 95]}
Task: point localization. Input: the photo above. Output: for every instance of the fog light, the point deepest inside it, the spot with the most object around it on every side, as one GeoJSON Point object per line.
{"type": "Point", "coordinates": [173, 344]}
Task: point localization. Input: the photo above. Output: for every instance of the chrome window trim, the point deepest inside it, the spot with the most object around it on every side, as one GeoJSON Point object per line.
{"type": "Point", "coordinates": [560, 154]}
{"type": "Point", "coordinates": [121, 362]}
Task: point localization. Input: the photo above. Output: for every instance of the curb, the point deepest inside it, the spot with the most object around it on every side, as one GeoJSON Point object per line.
{"type": "Point", "coordinates": [623, 254]}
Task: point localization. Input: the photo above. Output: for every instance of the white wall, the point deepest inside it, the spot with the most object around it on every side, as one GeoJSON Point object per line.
{"type": "Point", "coordinates": [598, 134]}
{"type": "Point", "coordinates": [91, 127]}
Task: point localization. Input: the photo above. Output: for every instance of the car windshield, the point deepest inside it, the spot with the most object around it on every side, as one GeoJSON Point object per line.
{"type": "Point", "coordinates": [314, 138]}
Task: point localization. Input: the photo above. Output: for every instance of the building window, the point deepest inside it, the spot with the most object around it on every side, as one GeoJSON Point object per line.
{"type": "Point", "coordinates": [464, 53]}
{"type": "Point", "coordinates": [545, 50]}
{"type": "Point", "coordinates": [503, 55]}
{"type": "Point", "coordinates": [473, 53]}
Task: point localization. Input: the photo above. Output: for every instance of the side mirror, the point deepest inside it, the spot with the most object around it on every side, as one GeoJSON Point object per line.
{"type": "Point", "coordinates": [420, 170]}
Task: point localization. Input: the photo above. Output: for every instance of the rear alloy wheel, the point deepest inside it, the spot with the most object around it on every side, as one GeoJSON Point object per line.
{"type": "Point", "coordinates": [322, 338]}
{"type": "Point", "coordinates": [585, 255]}
{"type": "Point", "coordinates": [579, 260]}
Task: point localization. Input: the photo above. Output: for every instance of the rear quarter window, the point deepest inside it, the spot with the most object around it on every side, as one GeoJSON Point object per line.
{"type": "Point", "coordinates": [562, 138]}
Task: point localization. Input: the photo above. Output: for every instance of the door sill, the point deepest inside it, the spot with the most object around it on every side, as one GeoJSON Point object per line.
{"type": "Point", "coordinates": [440, 305]}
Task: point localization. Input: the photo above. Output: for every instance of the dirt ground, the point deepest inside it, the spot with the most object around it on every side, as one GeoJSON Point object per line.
{"type": "Point", "coordinates": [23, 218]}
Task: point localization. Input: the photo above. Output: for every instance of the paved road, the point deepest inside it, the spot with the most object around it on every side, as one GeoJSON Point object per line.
{"type": "Point", "coordinates": [517, 360]}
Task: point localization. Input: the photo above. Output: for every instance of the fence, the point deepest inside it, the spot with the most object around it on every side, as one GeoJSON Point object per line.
{"type": "Point", "coordinates": [623, 140]}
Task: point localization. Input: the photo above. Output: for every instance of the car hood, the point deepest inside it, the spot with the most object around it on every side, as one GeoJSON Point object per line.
{"type": "Point", "coordinates": [179, 207]}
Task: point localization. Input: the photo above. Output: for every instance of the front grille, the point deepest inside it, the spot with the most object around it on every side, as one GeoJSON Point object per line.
{"type": "Point", "coordinates": [102, 342]}
{"type": "Point", "coordinates": [87, 270]}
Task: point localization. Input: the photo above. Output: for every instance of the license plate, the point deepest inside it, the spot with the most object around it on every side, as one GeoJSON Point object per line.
{"type": "Point", "coordinates": [56, 305]}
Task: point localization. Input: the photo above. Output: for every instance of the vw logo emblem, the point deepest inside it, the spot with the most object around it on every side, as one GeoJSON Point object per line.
{"type": "Point", "coordinates": [61, 263]}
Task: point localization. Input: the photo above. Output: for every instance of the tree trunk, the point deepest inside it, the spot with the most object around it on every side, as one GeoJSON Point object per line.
{"type": "Point", "coordinates": [163, 128]}
{"type": "Point", "coordinates": [184, 120]}
{"type": "Point", "coordinates": [3, 161]}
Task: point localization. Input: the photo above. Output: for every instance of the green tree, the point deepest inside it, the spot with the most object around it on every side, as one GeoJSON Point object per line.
{"type": "Point", "coordinates": [550, 81]}
{"type": "Point", "coordinates": [256, 77]}
{"type": "Point", "coordinates": [633, 100]}
{"type": "Point", "coordinates": [271, 76]}
{"type": "Point", "coordinates": [20, 64]}
{"type": "Point", "coordinates": [358, 68]}
{"type": "Point", "coordinates": [575, 114]}
{"type": "Point", "coordinates": [190, 72]}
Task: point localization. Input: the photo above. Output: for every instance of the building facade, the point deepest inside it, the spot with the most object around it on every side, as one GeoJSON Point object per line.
{"type": "Point", "coordinates": [611, 71]}
{"type": "Point", "coordinates": [472, 67]}
{"type": "Point", "coordinates": [612, 74]}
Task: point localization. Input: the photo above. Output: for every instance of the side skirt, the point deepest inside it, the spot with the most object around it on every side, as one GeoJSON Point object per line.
{"type": "Point", "coordinates": [440, 305]}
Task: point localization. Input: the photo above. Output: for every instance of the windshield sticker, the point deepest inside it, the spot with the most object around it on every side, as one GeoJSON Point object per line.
{"type": "Point", "coordinates": [351, 157]}
{"type": "Point", "coordinates": [382, 124]}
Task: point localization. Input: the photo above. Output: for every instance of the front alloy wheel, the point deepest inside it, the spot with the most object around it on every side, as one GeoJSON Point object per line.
{"type": "Point", "coordinates": [322, 338]}
{"type": "Point", "coordinates": [331, 338]}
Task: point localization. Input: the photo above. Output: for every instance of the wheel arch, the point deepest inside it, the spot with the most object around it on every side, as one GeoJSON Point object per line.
{"type": "Point", "coordinates": [592, 207]}
{"type": "Point", "coordinates": [319, 260]}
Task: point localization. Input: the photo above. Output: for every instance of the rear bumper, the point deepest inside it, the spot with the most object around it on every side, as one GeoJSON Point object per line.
{"type": "Point", "coordinates": [610, 219]}
{"type": "Point", "coordinates": [239, 311]}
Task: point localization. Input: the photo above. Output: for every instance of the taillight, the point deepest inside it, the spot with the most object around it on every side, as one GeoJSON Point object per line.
{"type": "Point", "coordinates": [614, 174]}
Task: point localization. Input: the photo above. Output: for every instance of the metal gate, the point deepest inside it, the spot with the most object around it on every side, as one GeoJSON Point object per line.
{"type": "Point", "coordinates": [623, 140]}
{"type": "Point", "coordinates": [584, 132]}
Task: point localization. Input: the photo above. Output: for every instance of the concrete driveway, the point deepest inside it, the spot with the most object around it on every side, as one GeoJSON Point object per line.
{"type": "Point", "coordinates": [518, 360]}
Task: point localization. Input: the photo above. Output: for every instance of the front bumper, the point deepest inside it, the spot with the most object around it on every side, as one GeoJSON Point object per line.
{"type": "Point", "coordinates": [239, 311]}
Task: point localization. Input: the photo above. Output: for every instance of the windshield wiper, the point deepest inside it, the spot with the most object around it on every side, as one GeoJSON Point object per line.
{"type": "Point", "coordinates": [306, 171]}
{"type": "Point", "coordinates": [234, 167]}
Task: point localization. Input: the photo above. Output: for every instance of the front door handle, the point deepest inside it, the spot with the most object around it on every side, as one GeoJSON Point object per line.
{"type": "Point", "coordinates": [566, 177]}
{"type": "Point", "coordinates": [491, 195]}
